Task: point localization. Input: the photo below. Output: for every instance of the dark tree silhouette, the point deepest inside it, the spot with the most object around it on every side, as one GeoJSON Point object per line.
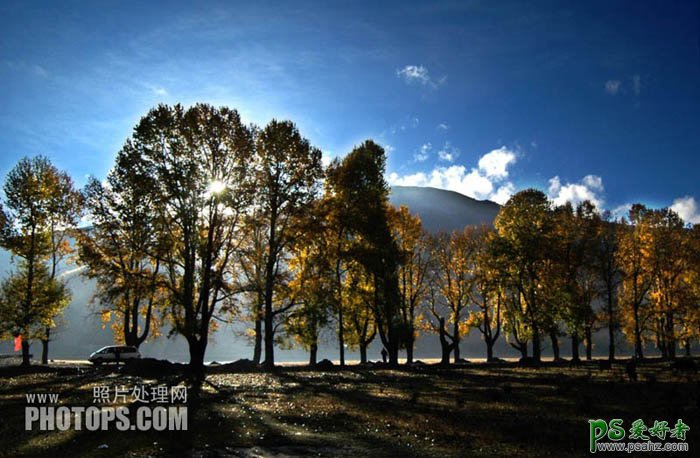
{"type": "Point", "coordinates": [122, 249]}
{"type": "Point", "coordinates": [287, 172]}
{"type": "Point", "coordinates": [525, 226]}
{"type": "Point", "coordinates": [358, 181]}
{"type": "Point", "coordinates": [198, 162]}
{"type": "Point", "coordinates": [40, 207]}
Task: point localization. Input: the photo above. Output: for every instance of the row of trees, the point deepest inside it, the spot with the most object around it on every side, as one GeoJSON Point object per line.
{"type": "Point", "coordinates": [574, 271]}
{"type": "Point", "coordinates": [542, 272]}
{"type": "Point", "coordinates": [204, 220]}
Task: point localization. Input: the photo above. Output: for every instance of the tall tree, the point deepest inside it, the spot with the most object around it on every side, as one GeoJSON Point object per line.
{"type": "Point", "coordinates": [690, 328]}
{"type": "Point", "coordinates": [515, 322]}
{"type": "Point", "coordinates": [524, 224]}
{"type": "Point", "coordinates": [40, 207]}
{"type": "Point", "coordinates": [49, 297]}
{"type": "Point", "coordinates": [198, 160]}
{"type": "Point", "coordinates": [636, 277]}
{"type": "Point", "coordinates": [358, 181]}
{"type": "Point", "coordinates": [607, 264]}
{"type": "Point", "coordinates": [122, 249]}
{"type": "Point", "coordinates": [252, 279]}
{"type": "Point", "coordinates": [488, 293]}
{"type": "Point", "coordinates": [65, 207]}
{"type": "Point", "coordinates": [312, 288]}
{"type": "Point", "coordinates": [574, 247]}
{"type": "Point", "coordinates": [358, 297]}
{"type": "Point", "coordinates": [669, 260]}
{"type": "Point", "coordinates": [413, 271]}
{"type": "Point", "coordinates": [337, 234]}
{"type": "Point", "coordinates": [287, 173]}
{"type": "Point", "coordinates": [454, 260]}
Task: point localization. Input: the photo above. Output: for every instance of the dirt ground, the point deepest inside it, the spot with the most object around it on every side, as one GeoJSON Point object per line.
{"type": "Point", "coordinates": [477, 409]}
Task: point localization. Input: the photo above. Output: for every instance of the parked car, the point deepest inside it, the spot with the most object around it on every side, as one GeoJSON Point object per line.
{"type": "Point", "coordinates": [114, 354]}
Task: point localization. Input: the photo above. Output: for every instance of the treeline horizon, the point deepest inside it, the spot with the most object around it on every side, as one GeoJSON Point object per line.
{"type": "Point", "coordinates": [203, 219]}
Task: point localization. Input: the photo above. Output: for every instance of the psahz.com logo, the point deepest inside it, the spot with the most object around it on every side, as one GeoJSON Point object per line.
{"type": "Point", "coordinates": [659, 436]}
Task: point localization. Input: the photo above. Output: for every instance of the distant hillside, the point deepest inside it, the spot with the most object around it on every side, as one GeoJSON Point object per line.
{"type": "Point", "coordinates": [442, 210]}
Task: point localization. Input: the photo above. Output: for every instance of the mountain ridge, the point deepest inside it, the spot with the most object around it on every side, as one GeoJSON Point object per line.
{"type": "Point", "coordinates": [443, 210]}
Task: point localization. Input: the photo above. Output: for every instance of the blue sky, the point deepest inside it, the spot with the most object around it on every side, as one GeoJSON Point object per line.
{"type": "Point", "coordinates": [581, 99]}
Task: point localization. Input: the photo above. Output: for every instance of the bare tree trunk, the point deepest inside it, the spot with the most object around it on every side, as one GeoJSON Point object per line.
{"type": "Point", "coordinates": [197, 350]}
{"type": "Point", "coordinates": [574, 348]}
{"type": "Point", "coordinates": [455, 341]}
{"type": "Point", "coordinates": [313, 351]}
{"type": "Point", "coordinates": [409, 351]}
{"type": "Point", "coordinates": [555, 343]}
{"type": "Point", "coordinates": [444, 344]}
{"type": "Point", "coordinates": [341, 336]}
{"type": "Point", "coordinates": [270, 264]}
{"type": "Point", "coordinates": [25, 352]}
{"type": "Point", "coordinates": [536, 347]}
{"type": "Point", "coordinates": [661, 341]}
{"type": "Point", "coordinates": [611, 328]}
{"type": "Point", "coordinates": [257, 349]}
{"type": "Point", "coordinates": [638, 352]}
{"type": "Point", "coordinates": [45, 347]}
{"type": "Point", "coordinates": [589, 343]}
{"type": "Point", "coordinates": [611, 343]}
{"type": "Point", "coordinates": [519, 345]}
{"type": "Point", "coordinates": [393, 353]}
{"type": "Point", "coordinates": [29, 296]}
{"type": "Point", "coordinates": [341, 322]}
{"type": "Point", "coordinates": [671, 338]}
{"type": "Point", "coordinates": [269, 339]}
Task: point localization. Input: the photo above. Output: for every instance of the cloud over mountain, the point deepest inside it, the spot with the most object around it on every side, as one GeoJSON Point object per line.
{"type": "Point", "coordinates": [487, 181]}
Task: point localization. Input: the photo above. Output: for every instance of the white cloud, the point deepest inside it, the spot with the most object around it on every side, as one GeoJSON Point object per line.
{"type": "Point", "coordinates": [448, 153]}
{"type": "Point", "coordinates": [446, 156]}
{"type": "Point", "coordinates": [414, 73]}
{"type": "Point", "coordinates": [594, 182]}
{"type": "Point", "coordinates": [495, 163]}
{"type": "Point", "coordinates": [636, 84]}
{"type": "Point", "coordinates": [621, 211]}
{"type": "Point", "coordinates": [40, 71]}
{"type": "Point", "coordinates": [442, 126]}
{"type": "Point", "coordinates": [422, 154]}
{"type": "Point", "coordinates": [589, 188]}
{"type": "Point", "coordinates": [612, 87]}
{"type": "Point", "coordinates": [22, 66]}
{"type": "Point", "coordinates": [407, 123]}
{"type": "Point", "coordinates": [159, 91]}
{"type": "Point", "coordinates": [474, 182]}
{"type": "Point", "coordinates": [503, 193]}
{"type": "Point", "coordinates": [418, 74]}
{"type": "Point", "coordinates": [326, 158]}
{"type": "Point", "coordinates": [687, 208]}
{"type": "Point", "coordinates": [454, 178]}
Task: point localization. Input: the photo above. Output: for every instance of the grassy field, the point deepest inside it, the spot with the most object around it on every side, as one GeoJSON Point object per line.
{"type": "Point", "coordinates": [489, 410]}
